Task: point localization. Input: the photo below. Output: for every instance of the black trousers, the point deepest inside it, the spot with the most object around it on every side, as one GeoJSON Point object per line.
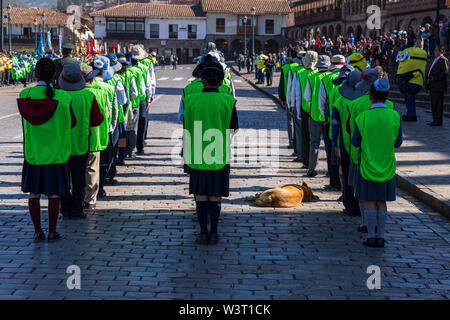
{"type": "Point", "coordinates": [348, 193]}
{"type": "Point", "coordinates": [142, 125]}
{"type": "Point", "coordinates": [437, 105]}
{"type": "Point", "coordinates": [305, 137]}
{"type": "Point", "coordinates": [269, 77]}
{"type": "Point", "coordinates": [73, 201]}
{"type": "Point", "coordinates": [333, 167]}
{"type": "Point", "coordinates": [105, 162]}
{"type": "Point", "coordinates": [114, 137]}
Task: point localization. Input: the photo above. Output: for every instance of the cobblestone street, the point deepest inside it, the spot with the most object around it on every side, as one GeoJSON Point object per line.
{"type": "Point", "coordinates": [140, 243]}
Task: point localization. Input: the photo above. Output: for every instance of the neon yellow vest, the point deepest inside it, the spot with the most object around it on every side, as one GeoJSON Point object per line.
{"type": "Point", "coordinates": [314, 82]}
{"type": "Point", "coordinates": [99, 135]}
{"type": "Point", "coordinates": [196, 86]}
{"type": "Point", "coordinates": [303, 76]}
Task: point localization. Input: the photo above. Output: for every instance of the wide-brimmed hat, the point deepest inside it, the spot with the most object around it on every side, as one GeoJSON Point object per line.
{"type": "Point", "coordinates": [310, 59]}
{"type": "Point", "coordinates": [113, 62]}
{"type": "Point", "coordinates": [368, 77]}
{"type": "Point", "coordinates": [348, 89]}
{"type": "Point", "coordinates": [343, 73]}
{"type": "Point", "coordinates": [108, 72]}
{"type": "Point", "coordinates": [337, 62]}
{"type": "Point", "coordinates": [213, 69]}
{"type": "Point", "coordinates": [323, 62]}
{"type": "Point", "coordinates": [139, 52]}
{"type": "Point", "coordinates": [88, 72]}
{"type": "Point", "coordinates": [198, 70]}
{"type": "Point", "coordinates": [124, 61]}
{"type": "Point", "coordinates": [70, 78]}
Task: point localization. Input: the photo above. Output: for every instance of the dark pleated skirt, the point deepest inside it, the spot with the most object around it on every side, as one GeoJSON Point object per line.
{"type": "Point", "coordinates": [209, 183]}
{"type": "Point", "coordinates": [52, 179]}
{"type": "Point", "coordinates": [374, 191]}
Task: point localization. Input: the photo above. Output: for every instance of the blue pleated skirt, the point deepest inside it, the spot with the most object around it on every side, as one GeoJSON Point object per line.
{"type": "Point", "coordinates": [209, 183]}
{"type": "Point", "coordinates": [374, 191]}
{"type": "Point", "coordinates": [50, 180]}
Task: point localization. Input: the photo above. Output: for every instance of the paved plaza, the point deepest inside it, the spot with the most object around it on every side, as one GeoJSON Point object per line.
{"type": "Point", "coordinates": [140, 243]}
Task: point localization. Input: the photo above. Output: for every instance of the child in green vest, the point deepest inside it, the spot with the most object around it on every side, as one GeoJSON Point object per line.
{"type": "Point", "coordinates": [208, 112]}
{"type": "Point", "coordinates": [47, 119]}
{"type": "Point", "coordinates": [377, 133]}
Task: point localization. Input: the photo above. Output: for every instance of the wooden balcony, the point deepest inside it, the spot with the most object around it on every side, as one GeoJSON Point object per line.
{"type": "Point", "coordinates": [309, 19]}
{"type": "Point", "coordinates": [240, 30]}
{"type": "Point", "coordinates": [407, 6]}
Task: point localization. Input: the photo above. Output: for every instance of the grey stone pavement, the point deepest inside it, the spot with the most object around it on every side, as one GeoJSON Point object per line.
{"type": "Point", "coordinates": [140, 244]}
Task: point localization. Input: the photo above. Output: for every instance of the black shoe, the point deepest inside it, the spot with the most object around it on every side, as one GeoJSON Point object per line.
{"type": "Point", "coordinates": [297, 160]}
{"type": "Point", "coordinates": [311, 173]}
{"type": "Point", "coordinates": [79, 215]}
{"type": "Point", "coordinates": [409, 119]}
{"type": "Point", "coordinates": [340, 199]}
{"type": "Point", "coordinates": [305, 166]}
{"type": "Point", "coordinates": [291, 146]}
{"type": "Point", "coordinates": [370, 242]}
{"type": "Point", "coordinates": [140, 151]}
{"type": "Point", "coordinates": [54, 237]}
{"type": "Point", "coordinates": [39, 237]}
{"type": "Point", "coordinates": [102, 194]}
{"type": "Point", "coordinates": [202, 239]}
{"type": "Point", "coordinates": [362, 229]}
{"type": "Point", "coordinates": [132, 156]}
{"type": "Point", "coordinates": [120, 162]}
{"type": "Point", "coordinates": [213, 239]}
{"type": "Point", "coordinates": [293, 154]}
{"type": "Point", "coordinates": [329, 187]}
{"type": "Point", "coordinates": [110, 182]}
{"type": "Point", "coordinates": [379, 242]}
{"type": "Point", "coordinates": [434, 124]}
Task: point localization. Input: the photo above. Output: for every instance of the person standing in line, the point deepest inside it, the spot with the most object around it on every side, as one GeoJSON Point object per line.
{"type": "Point", "coordinates": [209, 173]}
{"type": "Point", "coordinates": [377, 132]}
{"type": "Point", "coordinates": [67, 52]}
{"type": "Point", "coordinates": [270, 64]}
{"type": "Point", "coordinates": [284, 94]}
{"type": "Point", "coordinates": [47, 119]}
{"type": "Point", "coordinates": [436, 84]}
{"type": "Point", "coordinates": [87, 113]}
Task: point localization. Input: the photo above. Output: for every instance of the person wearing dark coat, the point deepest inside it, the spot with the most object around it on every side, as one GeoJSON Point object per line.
{"type": "Point", "coordinates": [436, 84]}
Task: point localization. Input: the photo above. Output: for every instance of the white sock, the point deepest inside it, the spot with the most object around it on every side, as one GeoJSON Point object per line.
{"type": "Point", "coordinates": [363, 214]}
{"type": "Point", "coordinates": [371, 216]}
{"type": "Point", "coordinates": [381, 222]}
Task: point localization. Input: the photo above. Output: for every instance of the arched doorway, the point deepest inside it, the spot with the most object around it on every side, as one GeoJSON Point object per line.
{"type": "Point", "coordinates": [401, 25]}
{"type": "Point", "coordinates": [386, 27]}
{"type": "Point", "coordinates": [331, 33]}
{"type": "Point", "coordinates": [413, 23]}
{"type": "Point", "coordinates": [359, 32]}
{"type": "Point", "coordinates": [271, 46]}
{"type": "Point", "coordinates": [237, 46]}
{"type": "Point", "coordinates": [338, 30]}
{"type": "Point", "coordinates": [350, 31]}
{"type": "Point", "coordinates": [324, 32]}
{"type": "Point", "coordinates": [222, 45]}
{"type": "Point", "coordinates": [258, 46]}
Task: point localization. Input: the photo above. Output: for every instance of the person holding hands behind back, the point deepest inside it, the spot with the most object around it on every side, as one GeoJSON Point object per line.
{"type": "Point", "coordinates": [209, 116]}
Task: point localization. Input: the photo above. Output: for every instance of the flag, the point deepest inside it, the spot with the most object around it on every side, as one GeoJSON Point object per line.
{"type": "Point", "coordinates": [60, 44]}
{"type": "Point", "coordinates": [49, 40]}
{"type": "Point", "coordinates": [106, 48]}
{"type": "Point", "coordinates": [41, 48]}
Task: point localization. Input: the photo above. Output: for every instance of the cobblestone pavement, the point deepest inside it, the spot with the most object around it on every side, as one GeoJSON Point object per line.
{"type": "Point", "coordinates": [140, 242]}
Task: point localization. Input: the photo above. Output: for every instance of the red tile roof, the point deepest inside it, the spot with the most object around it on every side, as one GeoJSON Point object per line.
{"type": "Point", "coordinates": [26, 16]}
{"type": "Point", "coordinates": [244, 6]}
{"type": "Point", "coordinates": [140, 10]}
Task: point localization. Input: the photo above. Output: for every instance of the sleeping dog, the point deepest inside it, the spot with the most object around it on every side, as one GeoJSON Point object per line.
{"type": "Point", "coordinates": [288, 196]}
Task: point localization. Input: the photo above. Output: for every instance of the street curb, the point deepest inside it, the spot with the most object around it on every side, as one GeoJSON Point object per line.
{"type": "Point", "coordinates": [413, 187]}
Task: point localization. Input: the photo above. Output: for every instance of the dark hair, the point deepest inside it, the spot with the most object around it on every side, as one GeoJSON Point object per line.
{"type": "Point", "coordinates": [378, 95]}
{"type": "Point", "coordinates": [213, 74]}
{"type": "Point", "coordinates": [66, 52]}
{"type": "Point", "coordinates": [45, 68]}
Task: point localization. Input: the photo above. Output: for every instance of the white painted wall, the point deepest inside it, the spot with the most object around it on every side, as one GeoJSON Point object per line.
{"type": "Point", "coordinates": [100, 27]}
{"type": "Point", "coordinates": [17, 29]}
{"type": "Point", "coordinates": [279, 23]}
{"type": "Point", "coordinates": [230, 23]}
{"type": "Point", "coordinates": [182, 24]}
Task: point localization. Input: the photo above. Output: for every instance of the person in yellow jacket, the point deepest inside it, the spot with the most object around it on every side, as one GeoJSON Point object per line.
{"type": "Point", "coordinates": [357, 61]}
{"type": "Point", "coordinates": [412, 63]}
{"type": "Point", "coordinates": [261, 68]}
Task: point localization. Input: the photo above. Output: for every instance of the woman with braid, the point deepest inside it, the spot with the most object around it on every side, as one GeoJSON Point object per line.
{"type": "Point", "coordinates": [47, 119]}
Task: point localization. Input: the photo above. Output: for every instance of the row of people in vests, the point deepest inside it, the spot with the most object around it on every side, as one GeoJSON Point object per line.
{"type": "Point", "coordinates": [332, 99]}
{"type": "Point", "coordinates": [17, 68]}
{"type": "Point", "coordinates": [76, 135]}
{"type": "Point", "coordinates": [209, 100]}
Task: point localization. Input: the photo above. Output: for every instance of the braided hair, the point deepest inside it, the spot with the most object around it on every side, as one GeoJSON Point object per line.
{"type": "Point", "coordinates": [45, 69]}
{"type": "Point", "coordinates": [213, 73]}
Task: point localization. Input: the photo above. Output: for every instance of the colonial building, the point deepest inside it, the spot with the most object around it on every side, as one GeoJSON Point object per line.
{"type": "Point", "coordinates": [185, 30]}
{"type": "Point", "coordinates": [335, 17]}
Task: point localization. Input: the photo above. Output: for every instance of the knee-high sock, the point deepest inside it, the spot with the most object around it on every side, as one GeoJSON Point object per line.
{"type": "Point", "coordinates": [34, 206]}
{"type": "Point", "coordinates": [381, 222]}
{"type": "Point", "coordinates": [214, 213]}
{"type": "Point", "coordinates": [202, 215]}
{"type": "Point", "coordinates": [53, 211]}
{"type": "Point", "coordinates": [371, 216]}
{"type": "Point", "coordinates": [363, 216]}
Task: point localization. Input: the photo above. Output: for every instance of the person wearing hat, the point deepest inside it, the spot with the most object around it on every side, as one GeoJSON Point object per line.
{"type": "Point", "coordinates": [106, 156]}
{"type": "Point", "coordinates": [377, 132]}
{"type": "Point", "coordinates": [318, 123]}
{"type": "Point", "coordinates": [209, 171]}
{"type": "Point", "coordinates": [88, 115]}
{"type": "Point", "coordinates": [67, 49]}
{"type": "Point", "coordinates": [346, 93]}
{"type": "Point", "coordinates": [358, 61]}
{"type": "Point", "coordinates": [47, 119]}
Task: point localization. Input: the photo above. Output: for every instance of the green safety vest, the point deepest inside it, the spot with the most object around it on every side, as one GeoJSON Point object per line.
{"type": "Point", "coordinates": [285, 70]}
{"type": "Point", "coordinates": [341, 106]}
{"type": "Point", "coordinates": [303, 76]}
{"type": "Point", "coordinates": [196, 86]}
{"type": "Point", "coordinates": [204, 112]}
{"type": "Point", "coordinates": [99, 135]}
{"type": "Point", "coordinates": [50, 142]}
{"type": "Point", "coordinates": [314, 82]}
{"type": "Point", "coordinates": [113, 82]}
{"type": "Point", "coordinates": [331, 93]}
{"type": "Point", "coordinates": [110, 93]}
{"type": "Point", "coordinates": [379, 130]}
{"type": "Point", "coordinates": [355, 108]}
{"type": "Point", "coordinates": [137, 75]}
{"type": "Point", "coordinates": [81, 106]}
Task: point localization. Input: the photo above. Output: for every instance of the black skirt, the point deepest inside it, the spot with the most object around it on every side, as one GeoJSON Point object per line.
{"type": "Point", "coordinates": [51, 179]}
{"type": "Point", "coordinates": [209, 183]}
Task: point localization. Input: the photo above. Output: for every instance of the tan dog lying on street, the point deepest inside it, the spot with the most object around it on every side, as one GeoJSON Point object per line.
{"type": "Point", "coordinates": [288, 196]}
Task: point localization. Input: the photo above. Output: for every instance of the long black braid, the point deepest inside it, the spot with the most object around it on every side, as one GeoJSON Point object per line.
{"type": "Point", "coordinates": [45, 69]}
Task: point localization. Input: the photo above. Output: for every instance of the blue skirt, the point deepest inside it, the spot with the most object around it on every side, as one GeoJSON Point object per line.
{"type": "Point", "coordinates": [374, 191]}
{"type": "Point", "coordinates": [50, 180]}
{"type": "Point", "coordinates": [209, 183]}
